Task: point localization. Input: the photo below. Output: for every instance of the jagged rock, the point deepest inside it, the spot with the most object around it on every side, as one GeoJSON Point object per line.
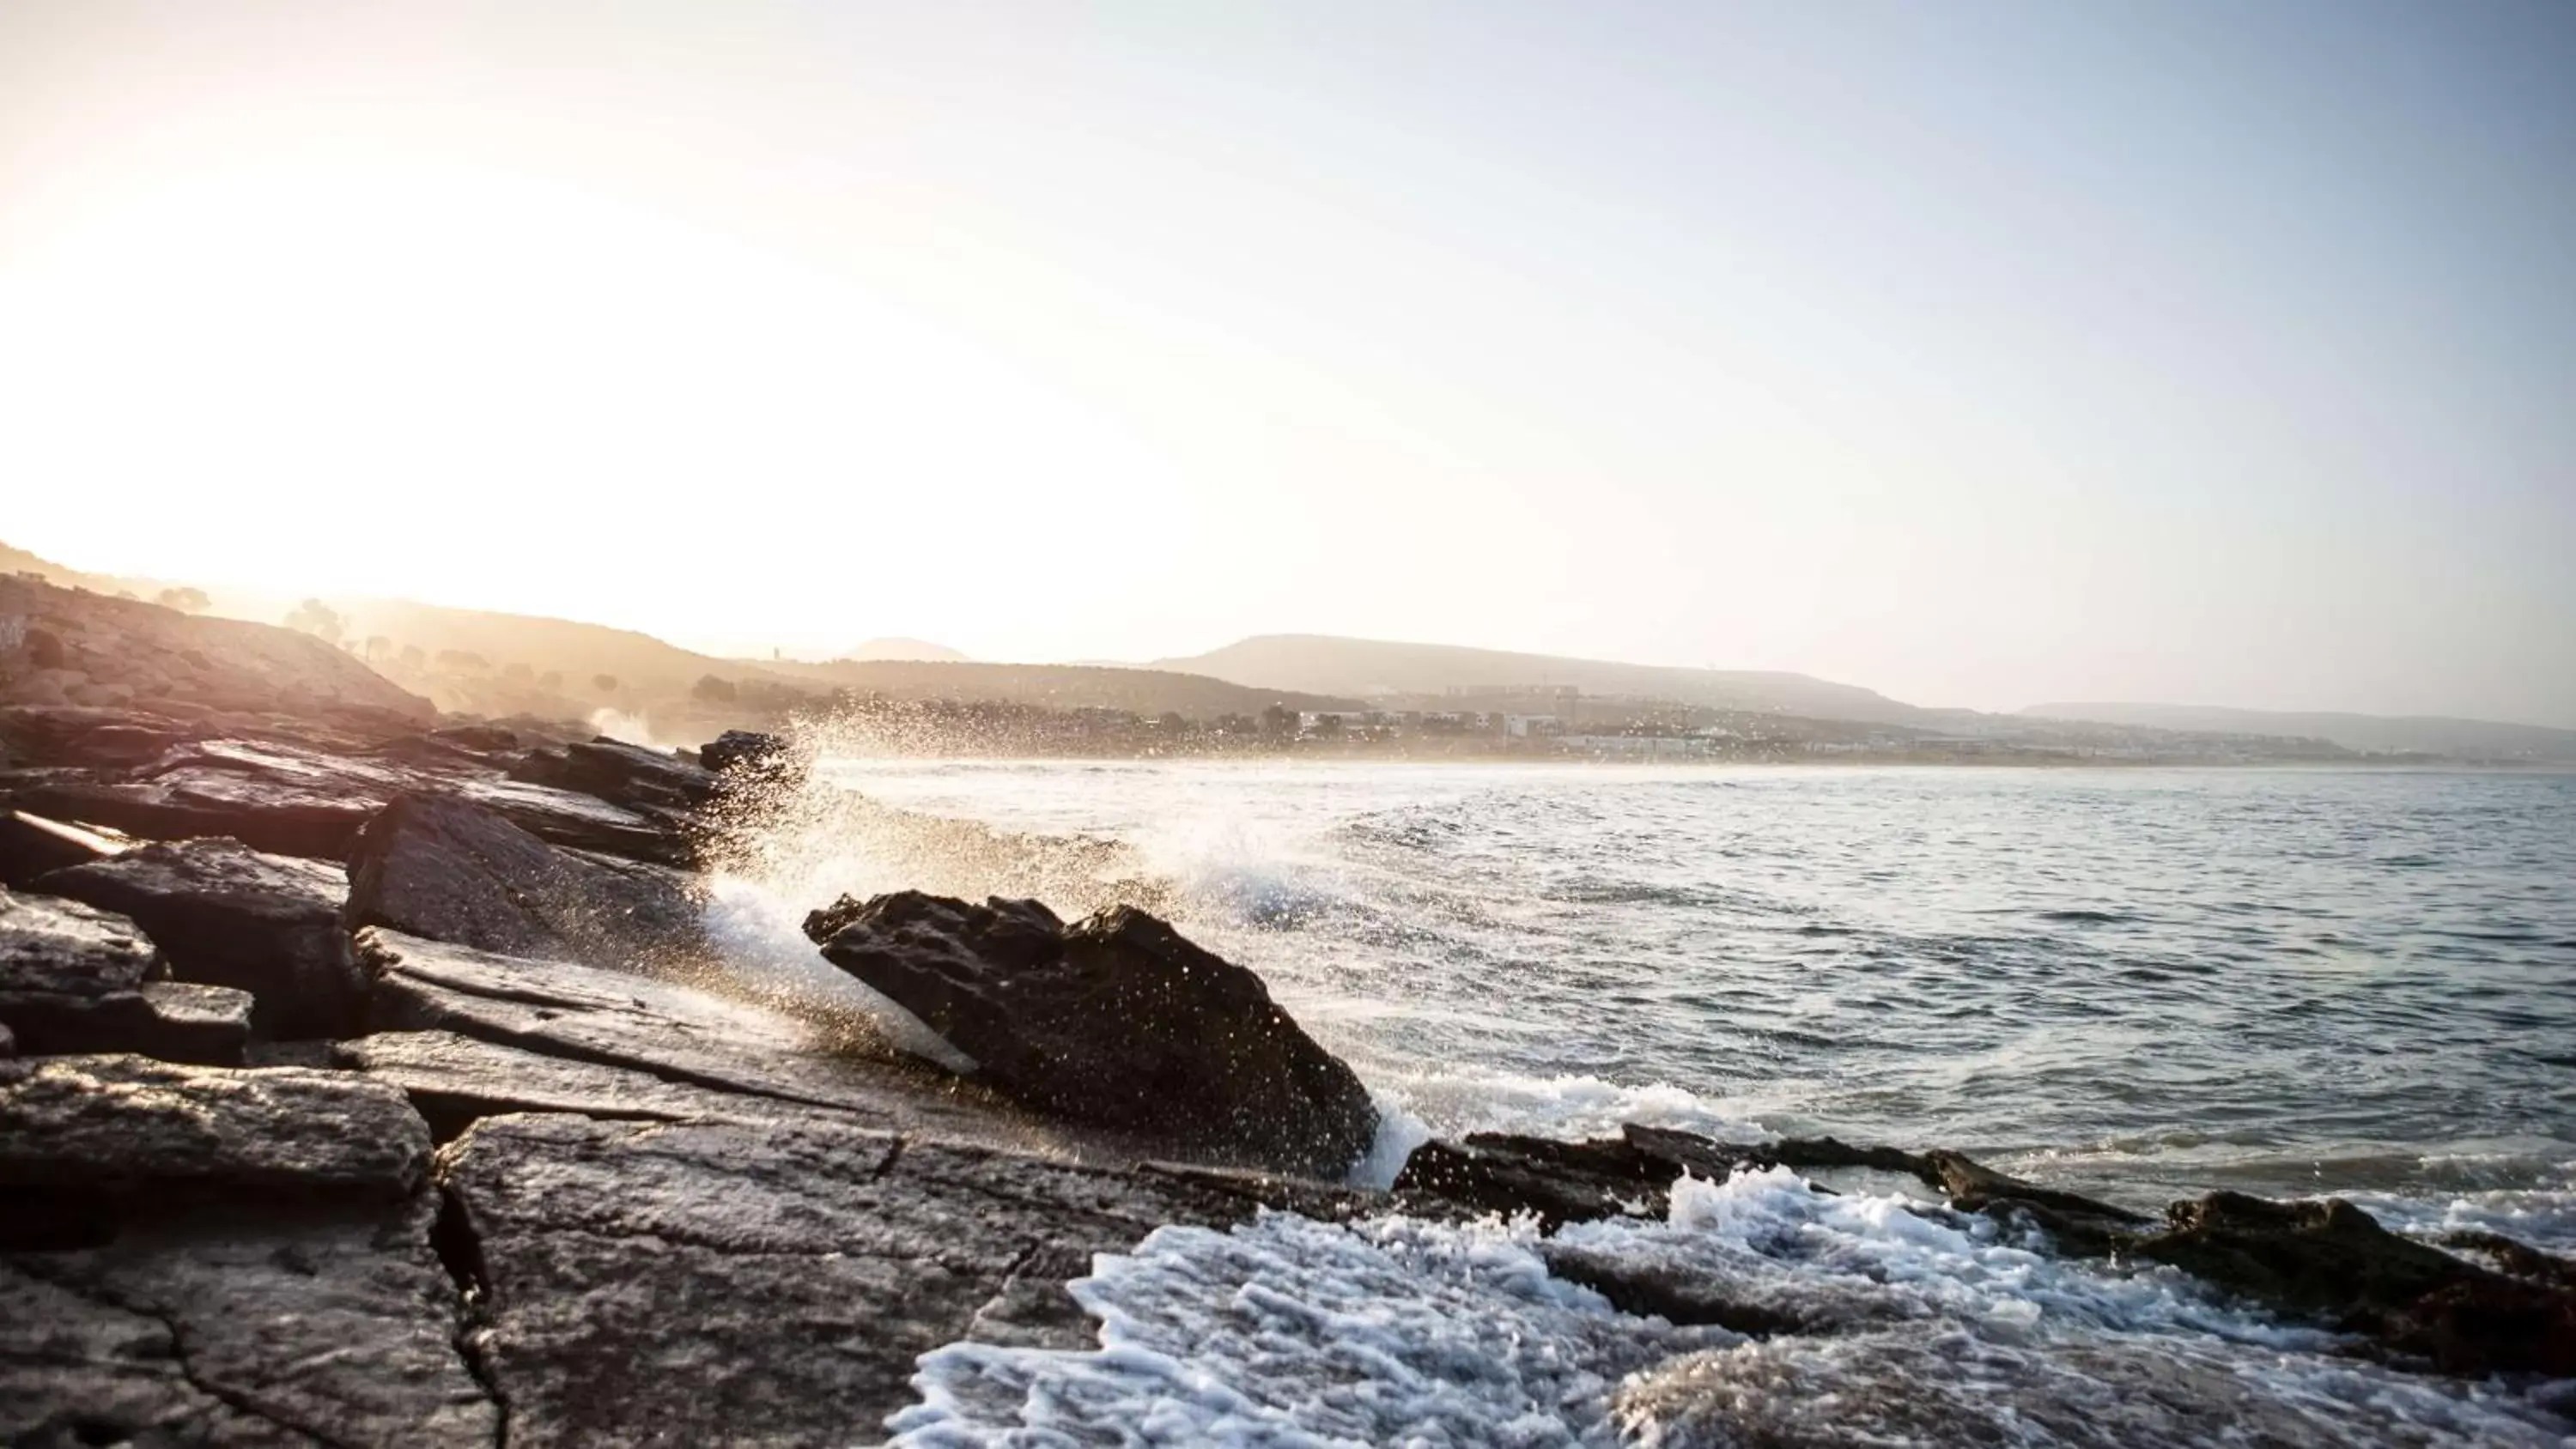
{"type": "Point", "coordinates": [449, 870]}
{"type": "Point", "coordinates": [77, 979]}
{"type": "Point", "coordinates": [815, 1263]}
{"type": "Point", "coordinates": [620, 773]}
{"type": "Point", "coordinates": [1115, 1020]}
{"type": "Point", "coordinates": [227, 915]}
{"type": "Point", "coordinates": [31, 845]}
{"type": "Point", "coordinates": [2329, 1259]}
{"type": "Point", "coordinates": [741, 749]}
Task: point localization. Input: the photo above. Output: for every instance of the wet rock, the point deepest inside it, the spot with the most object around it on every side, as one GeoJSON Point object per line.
{"type": "Point", "coordinates": [31, 845]}
{"type": "Point", "coordinates": [757, 1058]}
{"type": "Point", "coordinates": [454, 1081]}
{"type": "Point", "coordinates": [620, 773]}
{"type": "Point", "coordinates": [449, 870]}
{"type": "Point", "coordinates": [582, 822]}
{"type": "Point", "coordinates": [2328, 1259]}
{"type": "Point", "coordinates": [741, 749]}
{"type": "Point", "coordinates": [816, 1263]}
{"type": "Point", "coordinates": [1949, 1385]}
{"type": "Point", "coordinates": [2080, 1225]}
{"type": "Point", "coordinates": [227, 915]}
{"type": "Point", "coordinates": [1628, 1175]}
{"type": "Point", "coordinates": [1115, 1020]}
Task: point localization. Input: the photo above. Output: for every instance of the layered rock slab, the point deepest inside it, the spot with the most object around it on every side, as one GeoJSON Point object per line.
{"type": "Point", "coordinates": [227, 915]}
{"type": "Point", "coordinates": [757, 1058]}
{"type": "Point", "coordinates": [247, 1260]}
{"type": "Point", "coordinates": [1116, 1020]}
{"type": "Point", "coordinates": [449, 870]}
{"type": "Point", "coordinates": [765, 1283]}
{"type": "Point", "coordinates": [77, 979]}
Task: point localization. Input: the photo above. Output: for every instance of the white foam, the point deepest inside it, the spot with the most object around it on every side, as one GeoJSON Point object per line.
{"type": "Point", "coordinates": [761, 938]}
{"type": "Point", "coordinates": [1913, 1329]}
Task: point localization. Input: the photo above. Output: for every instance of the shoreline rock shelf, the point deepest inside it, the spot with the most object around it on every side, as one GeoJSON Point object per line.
{"type": "Point", "coordinates": [377, 1084]}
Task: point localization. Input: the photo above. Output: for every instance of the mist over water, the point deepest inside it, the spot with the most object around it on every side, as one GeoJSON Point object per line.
{"type": "Point", "coordinates": [2139, 984]}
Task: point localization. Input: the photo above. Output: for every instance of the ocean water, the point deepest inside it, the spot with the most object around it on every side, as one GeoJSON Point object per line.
{"type": "Point", "coordinates": [2140, 984]}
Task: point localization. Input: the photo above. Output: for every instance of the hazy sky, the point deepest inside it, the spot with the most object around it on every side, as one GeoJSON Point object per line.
{"type": "Point", "coordinates": [1982, 354]}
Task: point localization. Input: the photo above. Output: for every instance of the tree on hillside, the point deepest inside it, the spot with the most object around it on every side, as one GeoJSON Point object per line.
{"type": "Point", "coordinates": [711, 690]}
{"type": "Point", "coordinates": [185, 600]}
{"type": "Point", "coordinates": [1279, 719]}
{"type": "Point", "coordinates": [604, 683]}
{"type": "Point", "coordinates": [377, 647]}
{"type": "Point", "coordinates": [317, 619]}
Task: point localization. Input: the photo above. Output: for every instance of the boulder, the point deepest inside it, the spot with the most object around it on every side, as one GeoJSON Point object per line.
{"type": "Point", "coordinates": [449, 870]}
{"type": "Point", "coordinates": [200, 1256]}
{"type": "Point", "coordinates": [1630, 1175]}
{"type": "Point", "coordinates": [227, 915]}
{"type": "Point", "coordinates": [67, 735]}
{"type": "Point", "coordinates": [1115, 1020]}
{"type": "Point", "coordinates": [766, 1284]}
{"type": "Point", "coordinates": [76, 979]}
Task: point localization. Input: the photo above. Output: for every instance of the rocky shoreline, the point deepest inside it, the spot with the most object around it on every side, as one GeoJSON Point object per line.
{"type": "Point", "coordinates": [368, 1078]}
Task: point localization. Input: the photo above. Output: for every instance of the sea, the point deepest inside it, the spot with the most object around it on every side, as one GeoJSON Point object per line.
{"type": "Point", "coordinates": [2141, 984]}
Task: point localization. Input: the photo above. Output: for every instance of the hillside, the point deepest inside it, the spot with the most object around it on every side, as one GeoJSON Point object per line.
{"type": "Point", "coordinates": [912, 650]}
{"type": "Point", "coordinates": [1372, 668]}
{"type": "Point", "coordinates": [1149, 692]}
{"type": "Point", "coordinates": [2468, 739]}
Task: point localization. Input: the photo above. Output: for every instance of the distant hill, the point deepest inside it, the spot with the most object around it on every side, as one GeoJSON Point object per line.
{"type": "Point", "coordinates": [1324, 664]}
{"type": "Point", "coordinates": [1057, 686]}
{"type": "Point", "coordinates": [912, 650]}
{"type": "Point", "coordinates": [2468, 739]}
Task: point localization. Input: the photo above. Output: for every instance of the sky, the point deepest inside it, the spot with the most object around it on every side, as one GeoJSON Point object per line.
{"type": "Point", "coordinates": [1984, 354]}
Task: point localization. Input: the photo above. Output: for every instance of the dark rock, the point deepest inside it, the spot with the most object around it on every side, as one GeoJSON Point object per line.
{"type": "Point", "coordinates": [75, 979]}
{"type": "Point", "coordinates": [187, 802]}
{"type": "Point", "coordinates": [227, 915]}
{"type": "Point", "coordinates": [2328, 1259]}
{"type": "Point", "coordinates": [285, 1328]}
{"type": "Point", "coordinates": [31, 845]}
{"type": "Point", "coordinates": [454, 1081]}
{"type": "Point", "coordinates": [1559, 1182]}
{"type": "Point", "coordinates": [581, 822]}
{"type": "Point", "coordinates": [742, 749]}
{"type": "Point", "coordinates": [2079, 1224]}
{"type": "Point", "coordinates": [91, 1143]}
{"type": "Point", "coordinates": [1114, 1020]}
{"type": "Point", "coordinates": [449, 870]}
{"type": "Point", "coordinates": [620, 773]}
{"type": "Point", "coordinates": [200, 1256]}
{"type": "Point", "coordinates": [71, 735]}
{"type": "Point", "coordinates": [815, 1264]}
